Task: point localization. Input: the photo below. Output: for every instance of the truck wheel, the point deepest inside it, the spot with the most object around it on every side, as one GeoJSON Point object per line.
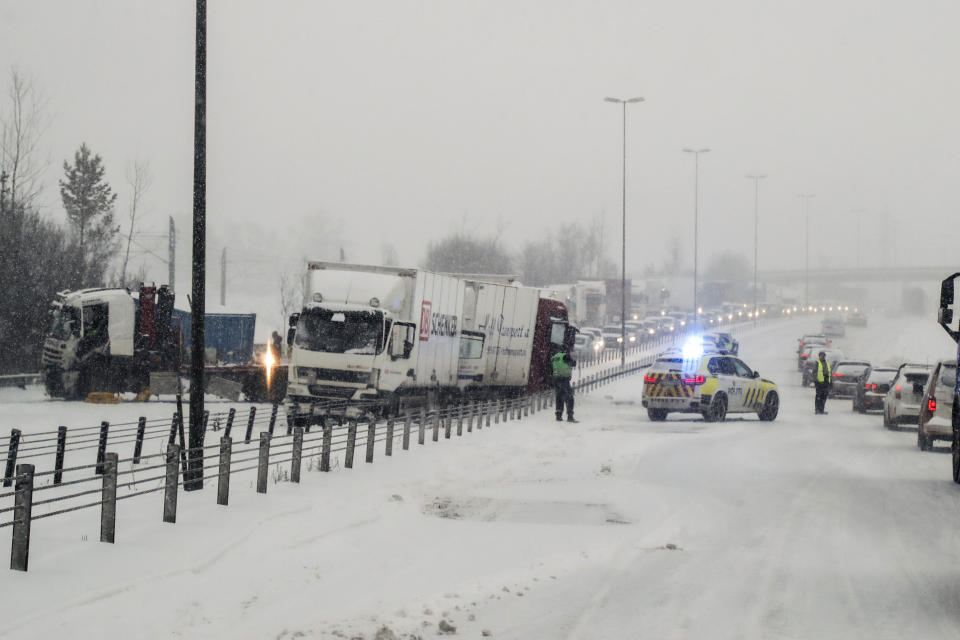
{"type": "Point", "coordinates": [771, 407]}
{"type": "Point", "coordinates": [718, 409]}
{"type": "Point", "coordinates": [657, 415]}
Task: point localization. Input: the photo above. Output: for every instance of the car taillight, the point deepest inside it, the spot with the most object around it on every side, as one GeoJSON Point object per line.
{"type": "Point", "coordinates": [803, 356]}
{"type": "Point", "coordinates": [695, 380]}
{"type": "Point", "coordinates": [838, 375]}
{"type": "Point", "coordinates": [932, 404]}
{"type": "Point", "coordinates": [649, 379]}
{"type": "Point", "coordinates": [897, 392]}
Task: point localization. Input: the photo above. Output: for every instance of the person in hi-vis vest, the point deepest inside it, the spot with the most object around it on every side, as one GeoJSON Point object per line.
{"type": "Point", "coordinates": [562, 364]}
{"type": "Point", "coordinates": [822, 381]}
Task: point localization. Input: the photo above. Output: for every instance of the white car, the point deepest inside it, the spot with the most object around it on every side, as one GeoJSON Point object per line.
{"type": "Point", "coordinates": [902, 402]}
{"type": "Point", "coordinates": [936, 405]}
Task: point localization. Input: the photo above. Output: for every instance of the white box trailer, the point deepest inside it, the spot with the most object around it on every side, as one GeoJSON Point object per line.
{"type": "Point", "coordinates": [373, 338]}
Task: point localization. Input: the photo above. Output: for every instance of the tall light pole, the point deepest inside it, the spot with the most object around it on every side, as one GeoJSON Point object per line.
{"type": "Point", "coordinates": [806, 269]}
{"type": "Point", "coordinates": [857, 213]}
{"type": "Point", "coordinates": [756, 238]}
{"type": "Point", "coordinates": [696, 225]}
{"type": "Point", "coordinates": [623, 257]}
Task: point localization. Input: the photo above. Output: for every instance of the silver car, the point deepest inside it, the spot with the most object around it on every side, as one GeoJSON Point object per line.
{"type": "Point", "coordinates": [902, 402]}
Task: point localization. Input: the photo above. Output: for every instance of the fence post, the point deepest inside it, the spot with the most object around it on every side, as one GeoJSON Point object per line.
{"type": "Point", "coordinates": [371, 439]}
{"type": "Point", "coordinates": [471, 415]}
{"type": "Point", "coordinates": [388, 450]}
{"type": "Point", "coordinates": [460, 420]}
{"type": "Point", "coordinates": [22, 512]}
{"type": "Point", "coordinates": [351, 443]}
{"type": "Point", "coordinates": [230, 416]}
{"type": "Point", "coordinates": [61, 450]}
{"type": "Point", "coordinates": [172, 440]}
{"type": "Point", "coordinates": [102, 446]}
{"type": "Point", "coordinates": [486, 413]}
{"type": "Point", "coordinates": [108, 497]}
{"type": "Point", "coordinates": [327, 444]}
{"type": "Point", "coordinates": [421, 436]}
{"type": "Point", "coordinates": [448, 423]}
{"type": "Point", "coordinates": [263, 462]}
{"type": "Point", "coordinates": [297, 454]}
{"type": "Point", "coordinates": [250, 419]}
{"type": "Point", "coordinates": [170, 491]}
{"type": "Point", "coordinates": [496, 415]}
{"type": "Point", "coordinates": [273, 419]}
{"type": "Point", "coordinates": [223, 481]}
{"type": "Point", "coordinates": [436, 425]}
{"type": "Point", "coordinates": [138, 447]}
{"type": "Point", "coordinates": [406, 431]}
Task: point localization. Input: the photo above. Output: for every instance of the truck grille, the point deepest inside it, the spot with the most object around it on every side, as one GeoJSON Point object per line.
{"type": "Point", "coordinates": [328, 391]}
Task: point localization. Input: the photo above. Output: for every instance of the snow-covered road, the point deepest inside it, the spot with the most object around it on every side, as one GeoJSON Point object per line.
{"type": "Point", "coordinates": [617, 527]}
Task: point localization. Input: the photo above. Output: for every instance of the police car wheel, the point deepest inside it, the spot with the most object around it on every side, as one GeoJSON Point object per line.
{"type": "Point", "coordinates": [657, 415]}
{"type": "Point", "coordinates": [771, 407]}
{"type": "Point", "coordinates": [718, 409]}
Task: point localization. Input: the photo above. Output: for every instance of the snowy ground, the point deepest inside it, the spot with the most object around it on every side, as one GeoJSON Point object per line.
{"type": "Point", "coordinates": [617, 527]}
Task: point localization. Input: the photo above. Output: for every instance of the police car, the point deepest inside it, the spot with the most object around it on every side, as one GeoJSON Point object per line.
{"type": "Point", "coordinates": [694, 380]}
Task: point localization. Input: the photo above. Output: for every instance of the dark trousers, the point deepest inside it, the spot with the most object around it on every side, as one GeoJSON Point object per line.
{"type": "Point", "coordinates": [564, 396]}
{"type": "Point", "coordinates": [820, 400]}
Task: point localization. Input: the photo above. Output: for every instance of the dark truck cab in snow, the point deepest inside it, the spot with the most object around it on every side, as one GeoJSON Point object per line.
{"type": "Point", "coordinates": [945, 319]}
{"type": "Point", "coordinates": [112, 340]}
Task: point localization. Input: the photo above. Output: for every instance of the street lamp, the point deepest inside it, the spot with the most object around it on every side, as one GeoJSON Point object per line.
{"type": "Point", "coordinates": [696, 224]}
{"type": "Point", "coordinates": [623, 257]}
{"type": "Point", "coordinates": [756, 236]}
{"type": "Point", "coordinates": [806, 270]}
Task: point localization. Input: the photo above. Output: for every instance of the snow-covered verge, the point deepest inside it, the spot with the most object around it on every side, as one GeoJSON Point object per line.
{"type": "Point", "coordinates": [616, 527]}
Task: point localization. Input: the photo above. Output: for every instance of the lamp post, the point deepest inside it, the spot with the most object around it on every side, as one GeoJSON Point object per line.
{"type": "Point", "coordinates": [806, 269]}
{"type": "Point", "coordinates": [696, 225]}
{"type": "Point", "coordinates": [623, 257]}
{"type": "Point", "coordinates": [756, 237]}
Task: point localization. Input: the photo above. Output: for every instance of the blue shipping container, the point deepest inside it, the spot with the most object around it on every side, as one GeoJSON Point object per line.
{"type": "Point", "coordinates": [231, 334]}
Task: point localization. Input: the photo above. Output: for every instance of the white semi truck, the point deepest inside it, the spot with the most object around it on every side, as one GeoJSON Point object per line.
{"type": "Point", "coordinates": [375, 339]}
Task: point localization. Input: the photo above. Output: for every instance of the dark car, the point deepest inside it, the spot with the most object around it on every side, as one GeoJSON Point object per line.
{"type": "Point", "coordinates": [857, 319]}
{"type": "Point", "coordinates": [869, 395]}
{"type": "Point", "coordinates": [833, 356]}
{"type": "Point", "coordinates": [847, 377]}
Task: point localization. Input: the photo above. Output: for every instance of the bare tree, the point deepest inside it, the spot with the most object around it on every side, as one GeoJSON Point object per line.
{"type": "Point", "coordinates": [22, 124]}
{"type": "Point", "coordinates": [139, 178]}
{"type": "Point", "coordinates": [291, 294]}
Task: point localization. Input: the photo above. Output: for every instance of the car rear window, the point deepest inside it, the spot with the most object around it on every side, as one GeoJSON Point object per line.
{"type": "Point", "coordinates": [916, 378]}
{"type": "Point", "coordinates": [881, 377]}
{"type": "Point", "coordinates": [854, 370]}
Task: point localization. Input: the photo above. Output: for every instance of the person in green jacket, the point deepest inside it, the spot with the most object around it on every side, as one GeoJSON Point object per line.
{"type": "Point", "coordinates": [822, 380]}
{"type": "Point", "coordinates": [562, 364]}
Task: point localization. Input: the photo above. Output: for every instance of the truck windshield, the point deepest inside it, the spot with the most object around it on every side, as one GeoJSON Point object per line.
{"type": "Point", "coordinates": [353, 332]}
{"type": "Point", "coordinates": [66, 323]}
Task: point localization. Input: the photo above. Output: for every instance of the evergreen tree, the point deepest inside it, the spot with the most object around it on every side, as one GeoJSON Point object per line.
{"type": "Point", "coordinates": [88, 200]}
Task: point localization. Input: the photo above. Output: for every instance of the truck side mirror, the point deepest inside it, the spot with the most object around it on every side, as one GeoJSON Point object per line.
{"type": "Point", "coordinates": [294, 319]}
{"type": "Point", "coordinates": [945, 316]}
{"type": "Point", "coordinates": [291, 332]}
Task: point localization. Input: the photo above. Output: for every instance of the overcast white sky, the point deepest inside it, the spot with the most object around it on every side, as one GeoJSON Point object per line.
{"type": "Point", "coordinates": [399, 122]}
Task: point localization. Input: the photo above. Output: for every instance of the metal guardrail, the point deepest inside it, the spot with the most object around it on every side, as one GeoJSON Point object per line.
{"type": "Point", "coordinates": [19, 379]}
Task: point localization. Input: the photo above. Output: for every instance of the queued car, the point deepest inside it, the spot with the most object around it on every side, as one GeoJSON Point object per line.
{"type": "Point", "coordinates": [805, 341]}
{"type": "Point", "coordinates": [935, 421]}
{"type": "Point", "coordinates": [833, 356]}
{"type": "Point", "coordinates": [833, 326]}
{"type": "Point", "coordinates": [901, 405]}
{"type": "Point", "coordinates": [712, 384]}
{"type": "Point", "coordinates": [585, 346]}
{"type": "Point", "coordinates": [848, 376]}
{"type": "Point", "coordinates": [724, 341]}
{"type": "Point", "coordinates": [870, 395]}
{"type": "Point", "coordinates": [857, 318]}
